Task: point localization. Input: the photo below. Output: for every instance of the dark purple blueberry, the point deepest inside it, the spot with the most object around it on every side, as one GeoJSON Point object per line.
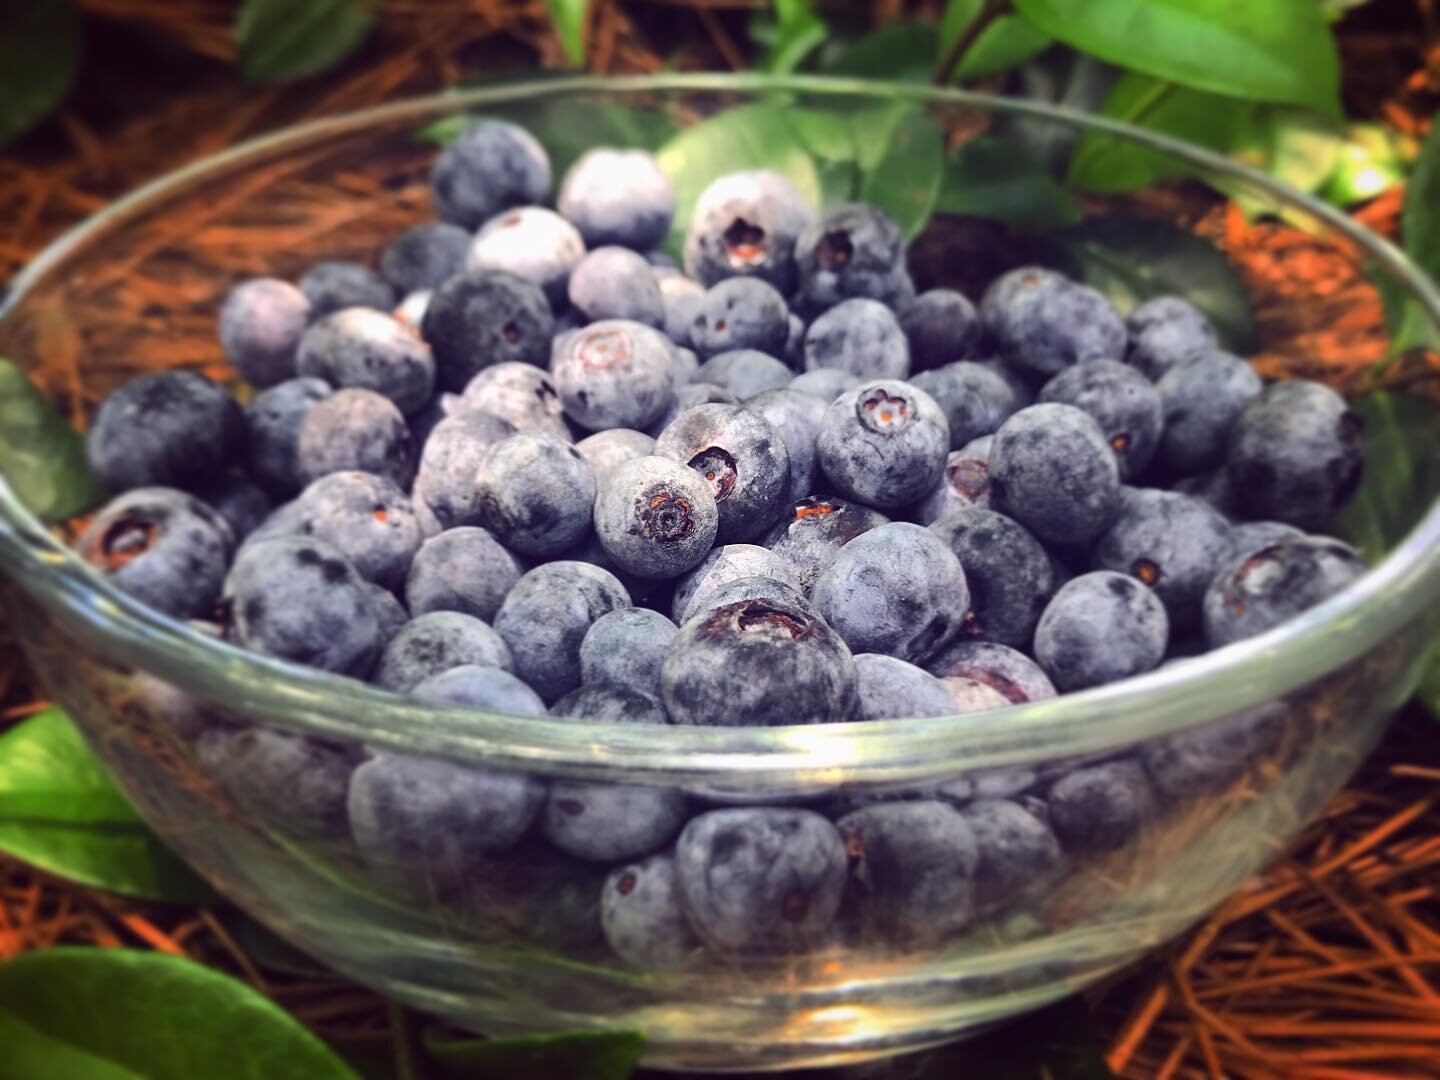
{"type": "Point", "coordinates": [481, 318]}
{"type": "Point", "coordinates": [740, 313]}
{"type": "Point", "coordinates": [533, 243]}
{"type": "Point", "coordinates": [850, 250]}
{"type": "Point", "coordinates": [1122, 401]}
{"type": "Point", "coordinates": [1164, 332]}
{"type": "Point", "coordinates": [1261, 589]}
{"type": "Point", "coordinates": [1201, 397]}
{"type": "Point", "coordinates": [424, 257]}
{"type": "Point", "coordinates": [272, 420]}
{"type": "Point", "coordinates": [1100, 628]}
{"type": "Point", "coordinates": [976, 400]}
{"type": "Point", "coordinates": [942, 327]}
{"type": "Point", "coordinates": [333, 286]}
{"type": "Point", "coordinates": [745, 224]}
{"type": "Point", "coordinates": [1009, 574]}
{"type": "Point", "coordinates": [260, 328]}
{"type": "Point", "coordinates": [884, 443]}
{"type": "Point", "coordinates": [814, 529]}
{"type": "Point", "coordinates": [1052, 470]}
{"type": "Point", "coordinates": [489, 167]}
{"type": "Point", "coordinates": [861, 336]}
{"type": "Point", "coordinates": [1043, 322]}
{"type": "Point", "coordinates": [655, 517]}
{"type": "Point", "coordinates": [464, 569]}
{"type": "Point", "coordinates": [357, 430]}
{"type": "Point", "coordinates": [535, 493]}
{"type": "Point", "coordinates": [618, 197]}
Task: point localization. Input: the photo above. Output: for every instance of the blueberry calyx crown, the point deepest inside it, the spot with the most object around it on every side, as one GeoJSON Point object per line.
{"type": "Point", "coordinates": [125, 541]}
{"type": "Point", "coordinates": [603, 349]}
{"type": "Point", "coordinates": [834, 250]}
{"type": "Point", "coordinates": [883, 412]}
{"type": "Point", "coordinates": [717, 466]}
{"type": "Point", "coordinates": [666, 516]}
{"type": "Point", "coordinates": [744, 243]}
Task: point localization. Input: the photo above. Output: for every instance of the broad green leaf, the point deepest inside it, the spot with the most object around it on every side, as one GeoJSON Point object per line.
{"type": "Point", "coordinates": [749, 137]}
{"type": "Point", "coordinates": [42, 457]}
{"type": "Point", "coordinates": [799, 32]}
{"type": "Point", "coordinates": [1402, 472]}
{"type": "Point", "coordinates": [570, 18]}
{"type": "Point", "coordinates": [286, 39]}
{"type": "Point", "coordinates": [30, 1053]}
{"type": "Point", "coordinates": [39, 49]}
{"type": "Point", "coordinates": [826, 134]}
{"type": "Point", "coordinates": [1278, 50]}
{"type": "Point", "coordinates": [584, 1055]}
{"type": "Point", "coordinates": [1133, 259]}
{"type": "Point", "coordinates": [905, 51]}
{"type": "Point", "coordinates": [1107, 163]}
{"type": "Point", "coordinates": [1006, 42]}
{"type": "Point", "coordinates": [994, 178]}
{"type": "Point", "coordinates": [839, 182]}
{"type": "Point", "coordinates": [61, 812]}
{"type": "Point", "coordinates": [1407, 322]}
{"type": "Point", "coordinates": [152, 1016]}
{"type": "Point", "coordinates": [906, 180]}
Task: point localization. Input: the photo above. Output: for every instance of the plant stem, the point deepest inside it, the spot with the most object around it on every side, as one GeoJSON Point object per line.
{"type": "Point", "coordinates": [988, 13]}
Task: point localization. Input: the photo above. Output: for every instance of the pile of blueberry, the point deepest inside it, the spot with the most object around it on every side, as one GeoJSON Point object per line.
{"type": "Point", "coordinates": [533, 467]}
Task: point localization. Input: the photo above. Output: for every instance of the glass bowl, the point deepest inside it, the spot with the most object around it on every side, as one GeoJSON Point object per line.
{"type": "Point", "coordinates": [507, 942]}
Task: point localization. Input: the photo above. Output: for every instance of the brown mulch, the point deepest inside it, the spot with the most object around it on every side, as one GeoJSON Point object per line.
{"type": "Point", "coordinates": [1325, 966]}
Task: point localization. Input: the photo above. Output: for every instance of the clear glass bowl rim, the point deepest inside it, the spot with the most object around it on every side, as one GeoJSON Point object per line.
{"type": "Point", "coordinates": [1179, 696]}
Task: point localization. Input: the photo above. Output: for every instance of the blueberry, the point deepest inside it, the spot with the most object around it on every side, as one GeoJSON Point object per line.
{"type": "Point", "coordinates": [1173, 543]}
{"type": "Point", "coordinates": [686, 365]}
{"type": "Point", "coordinates": [1164, 332]}
{"type": "Point", "coordinates": [1009, 574]}
{"type": "Point", "coordinates": [883, 443]}
{"type": "Point", "coordinates": [390, 613]}
{"type": "Point", "coordinates": [743, 459]}
{"type": "Point", "coordinates": [546, 615]}
{"type": "Point", "coordinates": [860, 336]}
{"type": "Point", "coordinates": [681, 298]}
{"type": "Point", "coordinates": [369, 349]}
{"type": "Point", "coordinates": [740, 313]}
{"type": "Point", "coordinates": [169, 429]}
{"type": "Point", "coordinates": [272, 422]}
{"type": "Point", "coordinates": [912, 869]}
{"type": "Point", "coordinates": [474, 686]}
{"type": "Point", "coordinates": [464, 569]}
{"type": "Point", "coordinates": [978, 449]}
{"type": "Point", "coordinates": [260, 327]}
{"type": "Point", "coordinates": [746, 224]}
{"type": "Point", "coordinates": [368, 518]}
{"type": "Point", "coordinates": [1007, 671]}
{"type": "Point", "coordinates": [530, 242]}
{"type": "Point", "coordinates": [626, 647]}
{"type": "Point", "coordinates": [643, 592]}
{"type": "Point", "coordinates": [655, 517]}
{"type": "Point", "coordinates": [535, 493]}
{"type": "Point", "coordinates": [355, 429]}
{"type": "Point", "coordinates": [1261, 589]}
{"type": "Point", "coordinates": [618, 197]}
{"type": "Point", "coordinates": [796, 418]}
{"type": "Point", "coordinates": [489, 167]}
{"type": "Point", "coordinates": [1122, 401]}
{"type": "Point", "coordinates": [616, 283]}
{"type": "Point", "coordinates": [896, 589]}
{"type": "Point", "coordinates": [942, 328]}
{"type": "Point", "coordinates": [331, 286]}
{"type": "Point", "coordinates": [1215, 488]}
{"type": "Point", "coordinates": [445, 480]}
{"type": "Point", "coordinates": [1043, 322]}
{"type": "Point", "coordinates": [745, 372]}
{"type": "Point", "coordinates": [794, 354]}
{"type": "Point", "coordinates": [971, 696]}
{"type": "Point", "coordinates": [300, 599]}
{"type": "Point", "coordinates": [1101, 807]}
{"type": "Point", "coordinates": [1296, 453]}
{"type": "Point", "coordinates": [605, 822]}
{"type": "Point", "coordinates": [1100, 628]}
{"type": "Point", "coordinates": [644, 917]}
{"type": "Point", "coordinates": [687, 397]}
{"type": "Point", "coordinates": [424, 257]}
{"type": "Point", "coordinates": [758, 663]}
{"type": "Point", "coordinates": [615, 373]}
{"type": "Point", "coordinates": [520, 393]}
{"type": "Point", "coordinates": [850, 250]}
{"type": "Point", "coordinates": [725, 564]}
{"type": "Point", "coordinates": [242, 504]}
{"type": "Point", "coordinates": [608, 450]}
{"type": "Point", "coordinates": [437, 642]}
{"type": "Point", "coordinates": [769, 590]}
{"type": "Point", "coordinates": [1017, 853]}
{"type": "Point", "coordinates": [814, 529]}
{"type": "Point", "coordinates": [481, 318]}
{"type": "Point", "coordinates": [891, 689]}
{"type": "Point", "coordinates": [824, 383]}
{"type": "Point", "coordinates": [1201, 397]}
{"type": "Point", "coordinates": [294, 784]}
{"type": "Point", "coordinates": [163, 547]}
{"type": "Point", "coordinates": [761, 879]}
{"type": "Point", "coordinates": [975, 399]}
{"type": "Point", "coordinates": [1052, 470]}
{"type": "Point", "coordinates": [1253, 535]}
{"type": "Point", "coordinates": [1210, 758]}
{"type": "Point", "coordinates": [964, 485]}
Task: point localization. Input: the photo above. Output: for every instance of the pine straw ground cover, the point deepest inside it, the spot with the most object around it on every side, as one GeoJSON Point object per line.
{"type": "Point", "coordinates": [1325, 966]}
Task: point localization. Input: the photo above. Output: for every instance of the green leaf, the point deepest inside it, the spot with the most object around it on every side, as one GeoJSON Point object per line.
{"type": "Point", "coordinates": [1420, 218]}
{"type": "Point", "coordinates": [749, 137]}
{"type": "Point", "coordinates": [1133, 259]}
{"type": "Point", "coordinates": [1407, 323]}
{"type": "Point", "coordinates": [39, 50]}
{"type": "Point", "coordinates": [61, 812]}
{"type": "Point", "coordinates": [1279, 50]}
{"type": "Point", "coordinates": [1402, 472]}
{"type": "Point", "coordinates": [1297, 146]}
{"type": "Point", "coordinates": [42, 457]}
{"type": "Point", "coordinates": [1005, 43]}
{"type": "Point", "coordinates": [285, 39]}
{"type": "Point", "coordinates": [839, 182]}
{"type": "Point", "coordinates": [570, 18]}
{"type": "Point", "coordinates": [585, 1055]}
{"type": "Point", "coordinates": [1107, 163]}
{"type": "Point", "coordinates": [905, 51]}
{"type": "Point", "coordinates": [799, 32]}
{"type": "Point", "coordinates": [151, 1016]}
{"type": "Point", "coordinates": [994, 178]}
{"type": "Point", "coordinates": [906, 180]}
